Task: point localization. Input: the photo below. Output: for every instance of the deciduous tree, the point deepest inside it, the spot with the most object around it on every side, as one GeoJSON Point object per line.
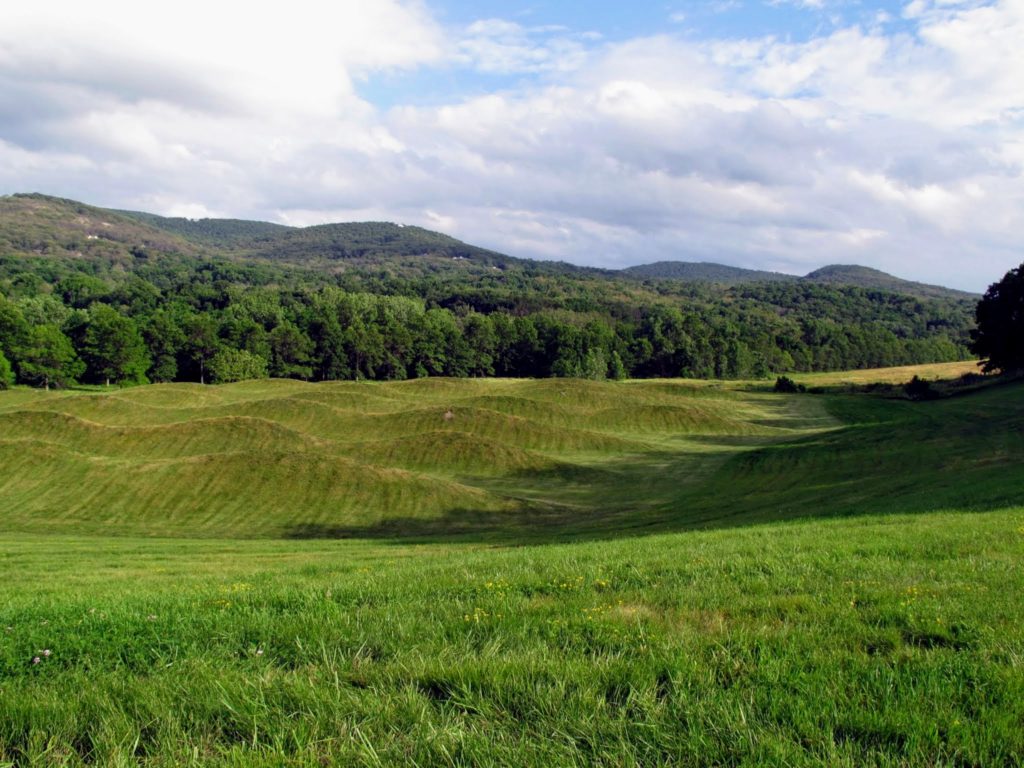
{"type": "Point", "coordinates": [999, 337]}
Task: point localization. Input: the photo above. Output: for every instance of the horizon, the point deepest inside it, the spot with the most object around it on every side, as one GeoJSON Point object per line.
{"type": "Point", "coordinates": [776, 135]}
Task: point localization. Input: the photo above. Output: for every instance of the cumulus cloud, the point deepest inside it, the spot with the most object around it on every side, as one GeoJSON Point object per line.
{"type": "Point", "coordinates": [902, 149]}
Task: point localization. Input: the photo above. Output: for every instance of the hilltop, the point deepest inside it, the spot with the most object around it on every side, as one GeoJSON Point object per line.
{"type": "Point", "coordinates": [845, 275]}
{"type": "Point", "coordinates": [355, 242]}
{"type": "Point", "coordinates": [49, 226]}
{"type": "Point", "coordinates": [865, 277]}
{"type": "Point", "coordinates": [40, 225]}
{"type": "Point", "coordinates": [704, 272]}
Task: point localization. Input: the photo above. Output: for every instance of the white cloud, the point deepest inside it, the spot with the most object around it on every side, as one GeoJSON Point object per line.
{"type": "Point", "coordinates": [498, 46]}
{"type": "Point", "coordinates": [899, 150]}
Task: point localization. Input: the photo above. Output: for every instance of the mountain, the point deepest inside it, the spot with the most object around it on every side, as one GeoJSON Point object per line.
{"type": "Point", "coordinates": [44, 226]}
{"type": "Point", "coordinates": [370, 240]}
{"type": "Point", "coordinates": [704, 272]}
{"type": "Point", "coordinates": [834, 275]}
{"type": "Point", "coordinates": [39, 225]}
{"type": "Point", "coordinates": [235, 299]}
{"type": "Point", "coordinates": [865, 277]}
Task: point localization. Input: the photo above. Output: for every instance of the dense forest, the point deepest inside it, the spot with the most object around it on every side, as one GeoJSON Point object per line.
{"type": "Point", "coordinates": [88, 295]}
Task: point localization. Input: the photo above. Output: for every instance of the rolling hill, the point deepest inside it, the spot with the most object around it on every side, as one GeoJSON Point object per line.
{"type": "Point", "coordinates": [512, 457]}
{"type": "Point", "coordinates": [873, 279]}
{"type": "Point", "coordinates": [845, 275]}
{"type": "Point", "coordinates": [39, 225]}
{"type": "Point", "coordinates": [34, 224]}
{"type": "Point", "coordinates": [704, 272]}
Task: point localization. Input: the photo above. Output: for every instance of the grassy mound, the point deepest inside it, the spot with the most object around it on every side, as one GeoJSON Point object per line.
{"type": "Point", "coordinates": [452, 451]}
{"type": "Point", "coordinates": [228, 434]}
{"type": "Point", "coordinates": [257, 493]}
{"type": "Point", "coordinates": [505, 457]}
{"type": "Point", "coordinates": [726, 576]}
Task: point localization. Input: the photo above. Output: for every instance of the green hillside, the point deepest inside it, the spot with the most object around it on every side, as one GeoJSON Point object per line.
{"type": "Point", "coordinates": [91, 296]}
{"type": "Point", "coordinates": [544, 573]}
{"type": "Point", "coordinates": [839, 275]}
{"type": "Point", "coordinates": [704, 272]}
{"type": "Point", "coordinates": [501, 457]}
{"type": "Point", "coordinates": [865, 277]}
{"type": "Point", "coordinates": [356, 242]}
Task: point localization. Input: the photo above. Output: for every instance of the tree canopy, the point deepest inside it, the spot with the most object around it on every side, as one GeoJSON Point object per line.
{"type": "Point", "coordinates": [999, 337]}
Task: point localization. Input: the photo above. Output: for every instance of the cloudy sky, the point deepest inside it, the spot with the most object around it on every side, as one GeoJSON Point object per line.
{"type": "Point", "coordinates": [777, 134]}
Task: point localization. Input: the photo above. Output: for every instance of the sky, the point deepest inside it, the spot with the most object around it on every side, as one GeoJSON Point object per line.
{"type": "Point", "coordinates": [769, 134]}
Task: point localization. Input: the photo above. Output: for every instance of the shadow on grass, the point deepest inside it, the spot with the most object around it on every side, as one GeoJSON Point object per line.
{"type": "Point", "coordinates": [893, 457]}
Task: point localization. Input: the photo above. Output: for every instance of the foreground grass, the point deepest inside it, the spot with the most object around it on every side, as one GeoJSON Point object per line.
{"type": "Point", "coordinates": [884, 641]}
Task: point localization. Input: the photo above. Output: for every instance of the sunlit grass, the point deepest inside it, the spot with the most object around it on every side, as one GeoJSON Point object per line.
{"type": "Point", "coordinates": [544, 573]}
{"type": "Point", "coordinates": [892, 640]}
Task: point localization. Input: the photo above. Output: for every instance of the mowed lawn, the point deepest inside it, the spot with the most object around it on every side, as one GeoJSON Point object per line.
{"type": "Point", "coordinates": [648, 573]}
{"type": "Point", "coordinates": [865, 641]}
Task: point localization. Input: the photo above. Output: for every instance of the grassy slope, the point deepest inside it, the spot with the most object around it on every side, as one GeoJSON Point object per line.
{"type": "Point", "coordinates": [855, 599]}
{"type": "Point", "coordinates": [502, 457]}
{"type": "Point", "coordinates": [280, 458]}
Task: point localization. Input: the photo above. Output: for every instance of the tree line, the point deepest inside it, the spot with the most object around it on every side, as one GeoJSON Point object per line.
{"type": "Point", "coordinates": [208, 321]}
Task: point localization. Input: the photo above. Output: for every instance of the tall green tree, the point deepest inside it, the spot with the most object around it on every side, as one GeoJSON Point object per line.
{"type": "Point", "coordinates": [6, 374]}
{"type": "Point", "coordinates": [49, 359]}
{"type": "Point", "coordinates": [14, 331]}
{"type": "Point", "coordinates": [164, 340]}
{"type": "Point", "coordinates": [201, 341]}
{"type": "Point", "coordinates": [999, 337]}
{"type": "Point", "coordinates": [291, 352]}
{"type": "Point", "coordinates": [113, 347]}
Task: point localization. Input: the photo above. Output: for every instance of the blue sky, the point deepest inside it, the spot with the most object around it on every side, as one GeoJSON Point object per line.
{"type": "Point", "coordinates": [780, 135]}
{"type": "Point", "coordinates": [596, 24]}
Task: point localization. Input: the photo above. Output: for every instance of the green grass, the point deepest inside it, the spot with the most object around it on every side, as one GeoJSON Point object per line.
{"type": "Point", "coordinates": [425, 457]}
{"type": "Point", "coordinates": [561, 573]}
{"type": "Point", "coordinates": [878, 640]}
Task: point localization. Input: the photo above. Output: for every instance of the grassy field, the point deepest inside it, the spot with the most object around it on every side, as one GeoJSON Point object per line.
{"type": "Point", "coordinates": [539, 573]}
{"type": "Point", "coordinates": [432, 456]}
{"type": "Point", "coordinates": [897, 375]}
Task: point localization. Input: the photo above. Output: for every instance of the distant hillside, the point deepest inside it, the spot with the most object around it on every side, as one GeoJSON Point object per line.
{"type": "Point", "coordinates": [38, 225]}
{"type": "Point", "coordinates": [44, 226]}
{"type": "Point", "coordinates": [218, 233]}
{"type": "Point", "coordinates": [234, 299]}
{"type": "Point", "coordinates": [325, 242]}
{"type": "Point", "coordinates": [705, 272]}
{"type": "Point", "coordinates": [865, 277]}
{"type": "Point", "coordinates": [835, 274]}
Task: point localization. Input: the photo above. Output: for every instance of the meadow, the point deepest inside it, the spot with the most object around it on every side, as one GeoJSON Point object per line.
{"type": "Point", "coordinates": [510, 572]}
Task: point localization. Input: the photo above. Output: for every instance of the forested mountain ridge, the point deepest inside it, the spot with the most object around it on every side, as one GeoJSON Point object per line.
{"type": "Point", "coordinates": [97, 295]}
{"type": "Point", "coordinates": [865, 277]}
{"type": "Point", "coordinates": [704, 272]}
{"type": "Point", "coordinates": [361, 242]}
{"type": "Point", "coordinates": [48, 225]}
{"type": "Point", "coordinates": [833, 274]}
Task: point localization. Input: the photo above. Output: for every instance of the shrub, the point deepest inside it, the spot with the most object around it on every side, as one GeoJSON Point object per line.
{"type": "Point", "coordinates": [786, 384]}
{"type": "Point", "coordinates": [919, 389]}
{"type": "Point", "coordinates": [237, 365]}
